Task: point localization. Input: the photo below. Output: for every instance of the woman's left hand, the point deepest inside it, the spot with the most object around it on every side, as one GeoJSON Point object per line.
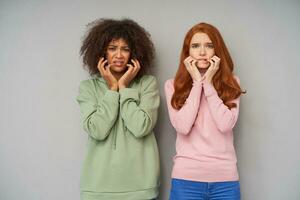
{"type": "Point", "coordinates": [129, 75]}
{"type": "Point", "coordinates": [213, 68]}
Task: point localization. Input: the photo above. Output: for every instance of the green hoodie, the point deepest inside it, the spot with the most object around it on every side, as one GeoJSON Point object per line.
{"type": "Point", "coordinates": [122, 160]}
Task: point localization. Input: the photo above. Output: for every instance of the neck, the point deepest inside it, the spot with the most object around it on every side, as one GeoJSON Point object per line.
{"type": "Point", "coordinates": [202, 70]}
{"type": "Point", "coordinates": [117, 75]}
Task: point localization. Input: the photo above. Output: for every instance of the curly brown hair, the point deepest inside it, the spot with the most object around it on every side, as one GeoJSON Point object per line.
{"type": "Point", "coordinates": [102, 31]}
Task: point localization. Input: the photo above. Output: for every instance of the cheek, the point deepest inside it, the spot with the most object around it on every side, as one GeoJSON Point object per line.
{"type": "Point", "coordinates": [211, 53]}
{"type": "Point", "coordinates": [108, 57]}
{"type": "Point", "coordinates": [127, 56]}
{"type": "Point", "coordinates": [193, 53]}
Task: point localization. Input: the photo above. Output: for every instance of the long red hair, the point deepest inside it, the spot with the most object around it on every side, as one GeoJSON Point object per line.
{"type": "Point", "coordinates": [223, 81]}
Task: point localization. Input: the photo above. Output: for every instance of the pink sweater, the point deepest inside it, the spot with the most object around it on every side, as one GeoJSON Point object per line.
{"type": "Point", "coordinates": [204, 144]}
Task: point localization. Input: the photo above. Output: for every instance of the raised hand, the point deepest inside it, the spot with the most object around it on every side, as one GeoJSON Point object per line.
{"type": "Point", "coordinates": [191, 67]}
{"type": "Point", "coordinates": [129, 75]}
{"type": "Point", "coordinates": [107, 75]}
{"type": "Point", "coordinates": [213, 68]}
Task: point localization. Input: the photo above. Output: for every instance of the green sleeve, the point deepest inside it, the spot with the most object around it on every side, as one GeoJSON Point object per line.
{"type": "Point", "coordinates": [139, 110]}
{"type": "Point", "coordinates": [98, 117]}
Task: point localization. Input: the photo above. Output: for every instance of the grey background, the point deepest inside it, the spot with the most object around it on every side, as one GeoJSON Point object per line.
{"type": "Point", "coordinates": [42, 143]}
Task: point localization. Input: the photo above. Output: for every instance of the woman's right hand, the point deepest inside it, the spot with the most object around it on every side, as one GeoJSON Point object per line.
{"type": "Point", "coordinates": [191, 67]}
{"type": "Point", "coordinates": [107, 75]}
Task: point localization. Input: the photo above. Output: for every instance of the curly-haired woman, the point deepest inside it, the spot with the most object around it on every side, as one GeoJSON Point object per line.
{"type": "Point", "coordinates": [119, 106]}
{"type": "Point", "coordinates": [203, 105]}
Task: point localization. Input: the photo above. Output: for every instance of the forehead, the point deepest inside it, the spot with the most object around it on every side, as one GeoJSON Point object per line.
{"type": "Point", "coordinates": [118, 42]}
{"type": "Point", "coordinates": [200, 38]}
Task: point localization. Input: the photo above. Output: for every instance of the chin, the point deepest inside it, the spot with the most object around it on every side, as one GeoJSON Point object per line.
{"type": "Point", "coordinates": [118, 69]}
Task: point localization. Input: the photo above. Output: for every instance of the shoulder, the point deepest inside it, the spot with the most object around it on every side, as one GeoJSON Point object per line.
{"type": "Point", "coordinates": [169, 84]}
{"type": "Point", "coordinates": [236, 78]}
{"type": "Point", "coordinates": [90, 84]}
{"type": "Point", "coordinates": [147, 78]}
{"type": "Point", "coordinates": [85, 84]}
{"type": "Point", "coordinates": [146, 81]}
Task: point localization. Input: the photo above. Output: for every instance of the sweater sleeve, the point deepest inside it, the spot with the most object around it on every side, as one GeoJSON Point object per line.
{"type": "Point", "coordinates": [184, 119]}
{"type": "Point", "coordinates": [224, 117]}
{"type": "Point", "coordinates": [139, 110]}
{"type": "Point", "coordinates": [98, 117]}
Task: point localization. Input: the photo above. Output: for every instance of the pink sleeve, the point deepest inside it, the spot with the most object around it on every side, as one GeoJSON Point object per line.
{"type": "Point", "coordinates": [224, 117]}
{"type": "Point", "coordinates": [183, 119]}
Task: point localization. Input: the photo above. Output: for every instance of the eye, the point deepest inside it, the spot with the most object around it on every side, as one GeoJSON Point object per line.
{"type": "Point", "coordinates": [126, 49]}
{"type": "Point", "coordinates": [210, 46]}
{"type": "Point", "coordinates": [194, 46]}
{"type": "Point", "coordinates": [111, 48]}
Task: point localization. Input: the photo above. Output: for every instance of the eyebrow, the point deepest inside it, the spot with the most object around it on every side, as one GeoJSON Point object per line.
{"type": "Point", "coordinates": [116, 45]}
{"type": "Point", "coordinates": [199, 43]}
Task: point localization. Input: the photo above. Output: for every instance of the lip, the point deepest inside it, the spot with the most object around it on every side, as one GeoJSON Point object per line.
{"type": "Point", "coordinates": [118, 63]}
{"type": "Point", "coordinates": [202, 61]}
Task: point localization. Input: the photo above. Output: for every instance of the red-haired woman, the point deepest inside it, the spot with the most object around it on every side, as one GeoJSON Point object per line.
{"type": "Point", "coordinates": [203, 105]}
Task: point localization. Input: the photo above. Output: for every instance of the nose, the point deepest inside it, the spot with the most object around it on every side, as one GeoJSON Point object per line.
{"type": "Point", "coordinates": [202, 51]}
{"type": "Point", "coordinates": [119, 53]}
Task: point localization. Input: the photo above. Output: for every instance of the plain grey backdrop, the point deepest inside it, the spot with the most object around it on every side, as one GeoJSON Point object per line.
{"type": "Point", "coordinates": [42, 142]}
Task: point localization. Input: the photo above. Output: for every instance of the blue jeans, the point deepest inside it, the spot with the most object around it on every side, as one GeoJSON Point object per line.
{"type": "Point", "coordinates": [194, 190]}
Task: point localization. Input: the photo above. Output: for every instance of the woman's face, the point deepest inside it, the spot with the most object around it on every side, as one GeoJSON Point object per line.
{"type": "Point", "coordinates": [117, 55]}
{"type": "Point", "coordinates": [201, 49]}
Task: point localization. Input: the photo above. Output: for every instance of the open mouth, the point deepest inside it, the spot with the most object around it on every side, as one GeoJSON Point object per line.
{"type": "Point", "coordinates": [118, 63]}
